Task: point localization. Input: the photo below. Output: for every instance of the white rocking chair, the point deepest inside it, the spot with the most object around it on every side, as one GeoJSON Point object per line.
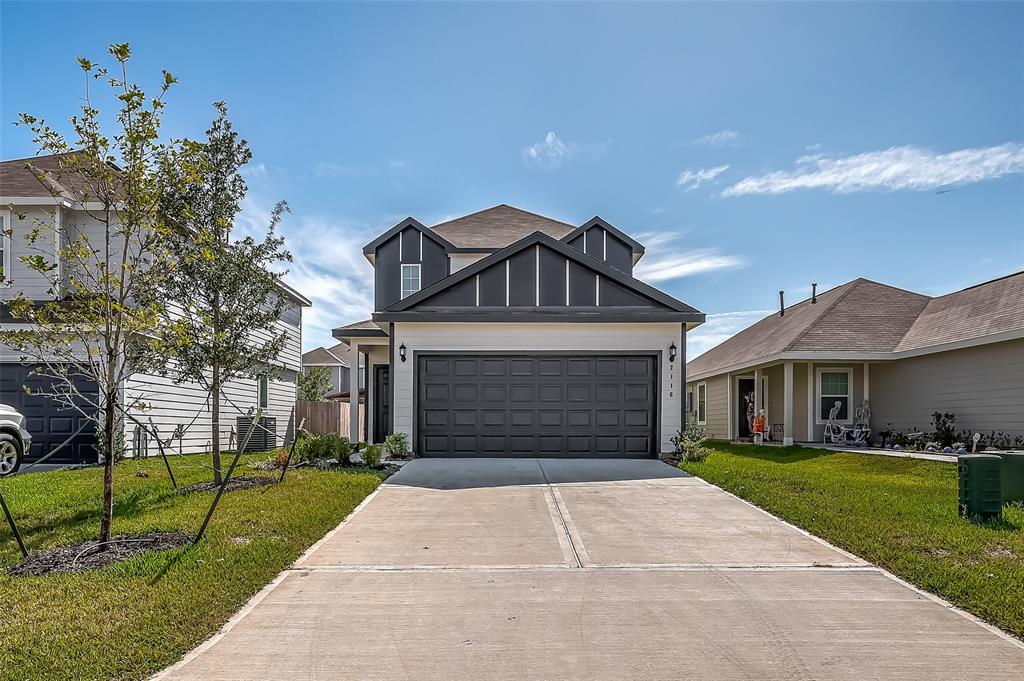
{"type": "Point", "coordinates": [839, 435]}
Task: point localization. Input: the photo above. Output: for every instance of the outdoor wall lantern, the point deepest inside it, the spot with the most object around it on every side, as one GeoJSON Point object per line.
{"type": "Point", "coordinates": [401, 351]}
{"type": "Point", "coordinates": [672, 352]}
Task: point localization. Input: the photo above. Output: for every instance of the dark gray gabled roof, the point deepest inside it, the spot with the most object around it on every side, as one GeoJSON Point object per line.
{"type": "Point", "coordinates": [361, 329]}
{"type": "Point", "coordinates": [674, 309]}
{"type": "Point", "coordinates": [597, 221]}
{"type": "Point", "coordinates": [369, 248]}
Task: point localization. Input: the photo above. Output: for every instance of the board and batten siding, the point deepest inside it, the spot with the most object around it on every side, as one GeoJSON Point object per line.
{"type": "Point", "coordinates": [983, 386]}
{"type": "Point", "coordinates": [654, 338]}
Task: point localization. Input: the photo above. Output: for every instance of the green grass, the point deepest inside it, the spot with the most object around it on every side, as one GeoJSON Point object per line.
{"type": "Point", "coordinates": [130, 620]}
{"type": "Point", "coordinates": [898, 513]}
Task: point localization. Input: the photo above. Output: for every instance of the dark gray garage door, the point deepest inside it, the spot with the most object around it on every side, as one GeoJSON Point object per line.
{"type": "Point", "coordinates": [536, 405]}
{"type": "Point", "coordinates": [49, 423]}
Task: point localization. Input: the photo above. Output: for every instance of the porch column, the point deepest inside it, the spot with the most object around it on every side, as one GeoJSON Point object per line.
{"type": "Point", "coordinates": [810, 402]}
{"type": "Point", "coordinates": [353, 391]}
{"type": "Point", "coordinates": [867, 395]}
{"type": "Point", "coordinates": [787, 402]}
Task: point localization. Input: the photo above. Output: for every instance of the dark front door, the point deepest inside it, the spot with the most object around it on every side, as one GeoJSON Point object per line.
{"type": "Point", "coordinates": [50, 423]}
{"type": "Point", "coordinates": [745, 407]}
{"type": "Point", "coordinates": [536, 405]}
{"type": "Point", "coordinates": [381, 403]}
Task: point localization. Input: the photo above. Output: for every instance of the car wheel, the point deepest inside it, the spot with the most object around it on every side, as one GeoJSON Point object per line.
{"type": "Point", "coordinates": [10, 454]}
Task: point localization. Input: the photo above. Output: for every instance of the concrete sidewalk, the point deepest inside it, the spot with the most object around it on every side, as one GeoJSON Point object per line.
{"type": "Point", "coordinates": [586, 569]}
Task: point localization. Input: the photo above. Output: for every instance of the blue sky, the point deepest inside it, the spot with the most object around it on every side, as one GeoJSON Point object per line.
{"type": "Point", "coordinates": [753, 148]}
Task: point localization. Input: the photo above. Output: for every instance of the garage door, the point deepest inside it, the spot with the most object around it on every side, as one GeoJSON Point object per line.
{"type": "Point", "coordinates": [536, 405]}
{"type": "Point", "coordinates": [49, 423]}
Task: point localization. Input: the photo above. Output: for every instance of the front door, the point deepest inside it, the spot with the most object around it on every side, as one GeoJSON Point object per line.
{"type": "Point", "coordinates": [381, 403]}
{"type": "Point", "coordinates": [745, 408]}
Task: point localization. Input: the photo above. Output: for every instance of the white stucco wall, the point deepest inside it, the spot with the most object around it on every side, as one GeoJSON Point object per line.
{"type": "Point", "coordinates": [645, 338]}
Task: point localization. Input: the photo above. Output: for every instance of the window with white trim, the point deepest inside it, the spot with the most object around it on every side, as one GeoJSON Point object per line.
{"type": "Point", "coordinates": [410, 280]}
{"type": "Point", "coordinates": [5, 249]}
{"type": "Point", "coordinates": [263, 389]}
{"type": "Point", "coordinates": [702, 404]}
{"type": "Point", "coordinates": [834, 385]}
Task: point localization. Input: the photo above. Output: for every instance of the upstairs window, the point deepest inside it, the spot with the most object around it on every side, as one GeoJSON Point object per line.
{"type": "Point", "coordinates": [410, 280]}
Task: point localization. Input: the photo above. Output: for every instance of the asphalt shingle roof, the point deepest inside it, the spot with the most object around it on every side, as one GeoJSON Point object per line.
{"type": "Point", "coordinates": [866, 316]}
{"type": "Point", "coordinates": [498, 227]}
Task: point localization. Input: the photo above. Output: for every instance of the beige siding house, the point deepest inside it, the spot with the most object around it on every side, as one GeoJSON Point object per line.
{"type": "Point", "coordinates": [908, 355]}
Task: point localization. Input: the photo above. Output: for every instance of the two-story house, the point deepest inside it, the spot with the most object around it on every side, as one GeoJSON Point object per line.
{"type": "Point", "coordinates": [506, 333]}
{"type": "Point", "coordinates": [37, 194]}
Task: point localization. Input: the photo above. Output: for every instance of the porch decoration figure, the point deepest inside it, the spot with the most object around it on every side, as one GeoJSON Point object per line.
{"type": "Point", "coordinates": [759, 427]}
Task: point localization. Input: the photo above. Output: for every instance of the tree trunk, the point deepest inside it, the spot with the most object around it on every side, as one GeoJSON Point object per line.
{"type": "Point", "coordinates": [215, 422]}
{"type": "Point", "coordinates": [107, 514]}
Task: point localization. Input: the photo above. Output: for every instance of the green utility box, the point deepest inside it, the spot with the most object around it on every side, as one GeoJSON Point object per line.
{"type": "Point", "coordinates": [981, 491]}
{"type": "Point", "coordinates": [1013, 476]}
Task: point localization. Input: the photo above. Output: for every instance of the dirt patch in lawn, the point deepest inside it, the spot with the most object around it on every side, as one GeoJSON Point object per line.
{"type": "Point", "coordinates": [241, 482]}
{"type": "Point", "coordinates": [91, 555]}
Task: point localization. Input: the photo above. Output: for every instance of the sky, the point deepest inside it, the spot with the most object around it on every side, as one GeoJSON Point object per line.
{"type": "Point", "coordinates": [752, 148]}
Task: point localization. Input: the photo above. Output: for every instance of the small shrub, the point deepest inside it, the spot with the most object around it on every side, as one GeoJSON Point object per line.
{"type": "Point", "coordinates": [280, 458]}
{"type": "Point", "coordinates": [397, 445]}
{"type": "Point", "coordinates": [945, 428]}
{"type": "Point", "coordinates": [689, 443]}
{"type": "Point", "coordinates": [371, 456]}
{"type": "Point", "coordinates": [341, 448]}
{"type": "Point", "coordinates": [308, 447]}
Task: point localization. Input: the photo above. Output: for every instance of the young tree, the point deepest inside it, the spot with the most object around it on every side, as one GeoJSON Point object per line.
{"type": "Point", "coordinates": [102, 322]}
{"type": "Point", "coordinates": [226, 295]}
{"type": "Point", "coordinates": [314, 383]}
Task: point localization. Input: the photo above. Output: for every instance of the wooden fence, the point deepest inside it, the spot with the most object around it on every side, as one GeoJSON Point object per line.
{"type": "Point", "coordinates": [327, 417]}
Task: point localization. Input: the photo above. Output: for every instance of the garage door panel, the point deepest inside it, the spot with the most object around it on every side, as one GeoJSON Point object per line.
{"type": "Point", "coordinates": [464, 392]}
{"type": "Point", "coordinates": [537, 405]}
{"type": "Point", "coordinates": [49, 422]}
{"type": "Point", "coordinates": [436, 392]}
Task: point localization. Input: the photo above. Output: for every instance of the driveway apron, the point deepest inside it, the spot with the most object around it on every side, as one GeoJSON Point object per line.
{"type": "Point", "coordinates": [586, 569]}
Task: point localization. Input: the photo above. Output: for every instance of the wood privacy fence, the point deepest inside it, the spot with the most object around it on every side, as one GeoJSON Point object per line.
{"type": "Point", "coordinates": [327, 417]}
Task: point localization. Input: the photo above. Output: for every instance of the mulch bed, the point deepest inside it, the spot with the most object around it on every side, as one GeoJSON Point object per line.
{"type": "Point", "coordinates": [88, 556]}
{"type": "Point", "coordinates": [241, 482]}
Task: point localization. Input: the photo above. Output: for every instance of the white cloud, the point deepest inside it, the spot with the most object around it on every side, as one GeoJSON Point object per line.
{"type": "Point", "coordinates": [891, 169]}
{"type": "Point", "coordinates": [718, 328]}
{"type": "Point", "coordinates": [328, 267]}
{"type": "Point", "coordinates": [676, 263]}
{"type": "Point", "coordinates": [552, 152]}
{"type": "Point", "coordinates": [691, 179]}
{"type": "Point", "coordinates": [722, 138]}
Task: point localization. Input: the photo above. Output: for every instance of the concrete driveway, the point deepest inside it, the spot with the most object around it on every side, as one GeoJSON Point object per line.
{"type": "Point", "coordinates": [586, 569]}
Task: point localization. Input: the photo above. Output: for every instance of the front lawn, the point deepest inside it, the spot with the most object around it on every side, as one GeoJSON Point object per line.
{"type": "Point", "coordinates": [898, 513]}
{"type": "Point", "coordinates": [132, 619]}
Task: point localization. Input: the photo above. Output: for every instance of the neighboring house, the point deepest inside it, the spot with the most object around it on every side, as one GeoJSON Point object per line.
{"type": "Point", "coordinates": [506, 333]}
{"type": "Point", "coordinates": [326, 357]}
{"type": "Point", "coordinates": [171, 406]}
{"type": "Point", "coordinates": [907, 354]}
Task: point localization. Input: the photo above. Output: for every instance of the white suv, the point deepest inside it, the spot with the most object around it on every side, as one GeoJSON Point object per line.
{"type": "Point", "coordinates": [14, 440]}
